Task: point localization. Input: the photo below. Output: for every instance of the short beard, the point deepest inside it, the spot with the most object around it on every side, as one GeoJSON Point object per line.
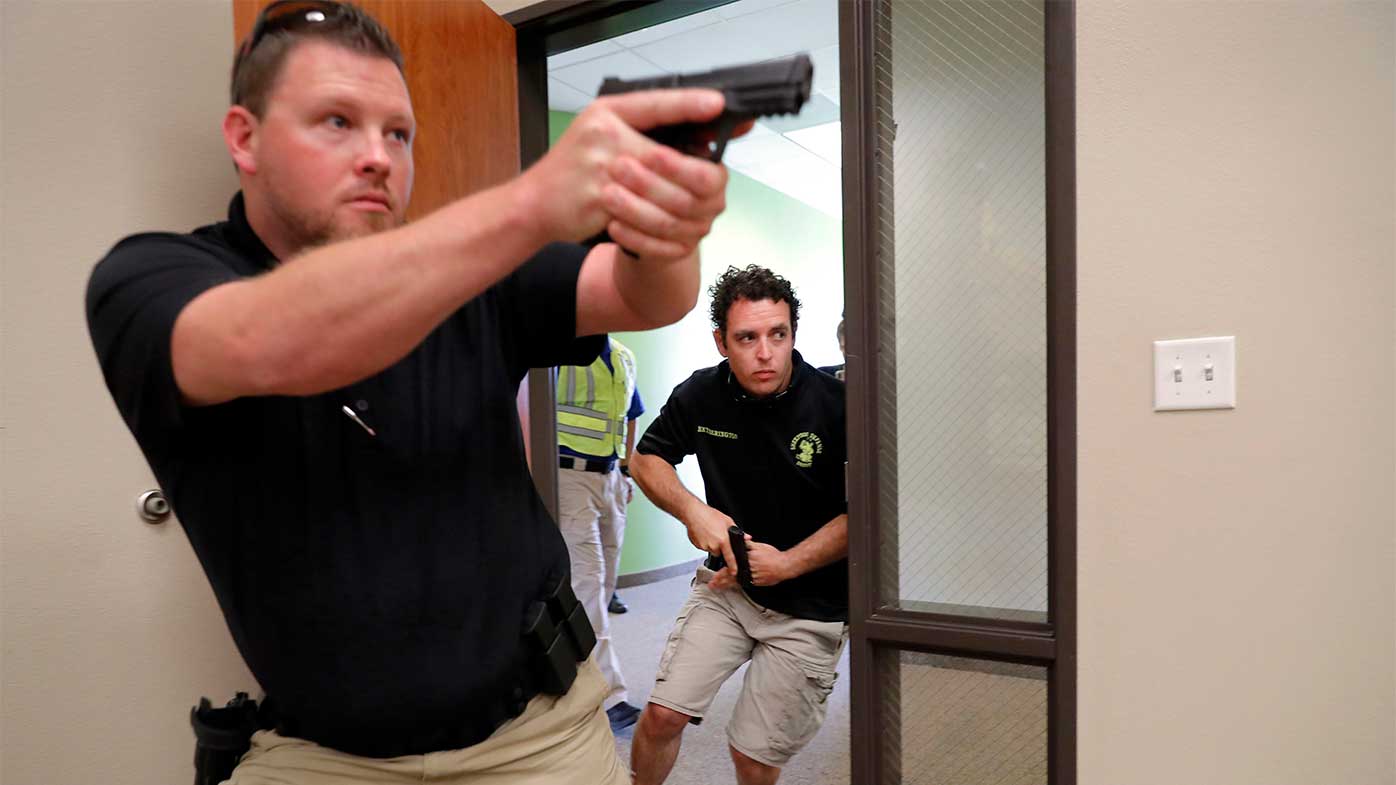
{"type": "Point", "coordinates": [308, 229]}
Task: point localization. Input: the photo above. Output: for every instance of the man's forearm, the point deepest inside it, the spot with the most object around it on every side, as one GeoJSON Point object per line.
{"type": "Point", "coordinates": [617, 292]}
{"type": "Point", "coordinates": [345, 311]}
{"type": "Point", "coordinates": [824, 547]}
{"type": "Point", "coordinates": [660, 292]}
{"type": "Point", "coordinates": [661, 484]}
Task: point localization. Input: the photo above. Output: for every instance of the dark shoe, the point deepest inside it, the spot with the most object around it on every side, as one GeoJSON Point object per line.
{"type": "Point", "coordinates": [622, 715]}
{"type": "Point", "coordinates": [617, 605]}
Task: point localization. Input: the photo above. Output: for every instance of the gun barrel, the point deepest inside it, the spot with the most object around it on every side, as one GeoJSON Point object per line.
{"type": "Point", "coordinates": [774, 87]}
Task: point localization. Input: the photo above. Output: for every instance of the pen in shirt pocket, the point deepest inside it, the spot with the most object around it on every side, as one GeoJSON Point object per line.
{"type": "Point", "coordinates": [355, 417]}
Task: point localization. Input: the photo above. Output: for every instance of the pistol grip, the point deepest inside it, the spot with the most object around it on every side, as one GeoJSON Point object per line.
{"type": "Point", "coordinates": [737, 538]}
{"type": "Point", "coordinates": [688, 139]}
{"type": "Point", "coordinates": [726, 124]}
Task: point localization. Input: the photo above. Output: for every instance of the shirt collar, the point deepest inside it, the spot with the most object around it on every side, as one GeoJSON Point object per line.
{"type": "Point", "coordinates": [244, 239]}
{"type": "Point", "coordinates": [739, 393]}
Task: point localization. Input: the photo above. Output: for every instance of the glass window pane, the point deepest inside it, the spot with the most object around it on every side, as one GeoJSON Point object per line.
{"type": "Point", "coordinates": [955, 721]}
{"type": "Point", "coordinates": [962, 249]}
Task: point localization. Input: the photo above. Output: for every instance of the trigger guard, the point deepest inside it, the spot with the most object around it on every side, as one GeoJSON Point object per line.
{"type": "Point", "coordinates": [725, 126]}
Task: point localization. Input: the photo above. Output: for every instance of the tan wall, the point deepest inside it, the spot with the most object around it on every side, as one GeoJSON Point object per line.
{"type": "Point", "coordinates": [111, 113]}
{"type": "Point", "coordinates": [1237, 604]}
{"type": "Point", "coordinates": [1236, 592]}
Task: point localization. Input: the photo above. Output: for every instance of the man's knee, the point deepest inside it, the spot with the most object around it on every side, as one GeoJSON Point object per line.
{"type": "Point", "coordinates": [662, 721]}
{"type": "Point", "coordinates": [750, 770]}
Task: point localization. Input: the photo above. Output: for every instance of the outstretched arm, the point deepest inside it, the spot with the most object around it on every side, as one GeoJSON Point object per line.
{"type": "Point", "coordinates": [342, 312]}
{"type": "Point", "coordinates": [662, 204]}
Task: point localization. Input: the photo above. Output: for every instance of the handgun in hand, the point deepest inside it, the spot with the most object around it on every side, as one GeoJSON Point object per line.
{"type": "Point", "coordinates": [737, 538]}
{"type": "Point", "coordinates": [774, 87]}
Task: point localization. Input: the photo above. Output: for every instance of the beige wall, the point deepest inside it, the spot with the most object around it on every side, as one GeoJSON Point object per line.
{"type": "Point", "coordinates": [1237, 600]}
{"type": "Point", "coordinates": [111, 114]}
{"type": "Point", "coordinates": [1236, 567]}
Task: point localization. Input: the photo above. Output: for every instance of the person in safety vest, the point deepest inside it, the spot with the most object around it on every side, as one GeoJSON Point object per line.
{"type": "Point", "coordinates": [597, 406]}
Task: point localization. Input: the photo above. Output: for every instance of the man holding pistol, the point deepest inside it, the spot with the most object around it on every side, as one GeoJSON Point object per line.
{"type": "Point", "coordinates": [326, 395]}
{"type": "Point", "coordinates": [768, 430]}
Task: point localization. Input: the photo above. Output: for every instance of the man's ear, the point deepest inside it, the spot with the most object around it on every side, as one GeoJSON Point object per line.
{"type": "Point", "coordinates": [721, 344]}
{"type": "Point", "coordinates": [240, 129]}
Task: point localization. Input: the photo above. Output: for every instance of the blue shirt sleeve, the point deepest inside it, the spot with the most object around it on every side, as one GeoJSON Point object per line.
{"type": "Point", "coordinates": [637, 406]}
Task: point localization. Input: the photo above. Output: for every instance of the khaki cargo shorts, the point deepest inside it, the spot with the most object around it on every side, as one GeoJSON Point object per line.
{"type": "Point", "coordinates": [786, 691]}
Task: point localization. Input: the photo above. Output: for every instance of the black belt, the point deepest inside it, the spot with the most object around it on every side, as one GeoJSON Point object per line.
{"type": "Point", "coordinates": [587, 464]}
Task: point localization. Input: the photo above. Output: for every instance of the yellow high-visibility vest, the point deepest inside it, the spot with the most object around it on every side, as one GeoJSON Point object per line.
{"type": "Point", "coordinates": [592, 402]}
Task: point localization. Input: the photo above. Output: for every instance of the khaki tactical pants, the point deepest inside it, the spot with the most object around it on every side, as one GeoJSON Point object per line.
{"type": "Point", "coordinates": [591, 513]}
{"type": "Point", "coordinates": [556, 741]}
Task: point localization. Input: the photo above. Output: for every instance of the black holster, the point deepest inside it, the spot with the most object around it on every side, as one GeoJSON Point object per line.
{"type": "Point", "coordinates": [221, 737]}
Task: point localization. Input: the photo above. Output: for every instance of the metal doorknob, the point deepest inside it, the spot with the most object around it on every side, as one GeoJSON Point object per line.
{"type": "Point", "coordinates": [152, 506]}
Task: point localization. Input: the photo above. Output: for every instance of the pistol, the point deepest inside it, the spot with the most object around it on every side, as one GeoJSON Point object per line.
{"type": "Point", "coordinates": [737, 538]}
{"type": "Point", "coordinates": [774, 87]}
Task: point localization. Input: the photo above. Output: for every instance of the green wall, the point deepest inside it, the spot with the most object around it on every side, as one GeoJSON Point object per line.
{"type": "Point", "coordinates": [761, 226]}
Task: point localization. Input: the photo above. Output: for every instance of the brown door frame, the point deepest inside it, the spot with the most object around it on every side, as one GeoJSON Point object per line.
{"type": "Point", "coordinates": [558, 25]}
{"type": "Point", "coordinates": [875, 626]}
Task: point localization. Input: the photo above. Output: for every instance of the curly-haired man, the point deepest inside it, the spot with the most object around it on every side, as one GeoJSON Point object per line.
{"type": "Point", "coordinates": [768, 430]}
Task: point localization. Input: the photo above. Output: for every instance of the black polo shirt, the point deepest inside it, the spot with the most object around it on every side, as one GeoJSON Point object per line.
{"type": "Point", "coordinates": [774, 465]}
{"type": "Point", "coordinates": [375, 584]}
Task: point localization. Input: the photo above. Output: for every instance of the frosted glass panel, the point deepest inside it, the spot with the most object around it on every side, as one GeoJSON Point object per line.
{"type": "Point", "coordinates": [961, 130]}
{"type": "Point", "coordinates": [954, 721]}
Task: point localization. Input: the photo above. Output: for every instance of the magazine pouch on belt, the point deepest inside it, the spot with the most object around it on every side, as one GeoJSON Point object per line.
{"type": "Point", "coordinates": [559, 635]}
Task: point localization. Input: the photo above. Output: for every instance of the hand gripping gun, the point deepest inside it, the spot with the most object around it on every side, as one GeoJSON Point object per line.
{"type": "Point", "coordinates": [737, 538]}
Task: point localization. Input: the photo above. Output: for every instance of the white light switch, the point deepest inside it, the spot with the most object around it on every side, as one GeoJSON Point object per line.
{"type": "Point", "coordinates": [1195, 373]}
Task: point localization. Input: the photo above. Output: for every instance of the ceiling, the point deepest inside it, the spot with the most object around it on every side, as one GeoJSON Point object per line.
{"type": "Point", "coordinates": [798, 156]}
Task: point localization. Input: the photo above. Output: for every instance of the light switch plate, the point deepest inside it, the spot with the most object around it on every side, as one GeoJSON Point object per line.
{"type": "Point", "coordinates": [1195, 373]}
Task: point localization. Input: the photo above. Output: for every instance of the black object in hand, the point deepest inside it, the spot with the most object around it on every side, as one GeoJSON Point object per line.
{"type": "Point", "coordinates": [738, 539]}
{"type": "Point", "coordinates": [774, 87]}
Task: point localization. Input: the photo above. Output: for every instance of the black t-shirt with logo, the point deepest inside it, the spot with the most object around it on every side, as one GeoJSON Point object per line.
{"type": "Point", "coordinates": [375, 584]}
{"type": "Point", "coordinates": [775, 465]}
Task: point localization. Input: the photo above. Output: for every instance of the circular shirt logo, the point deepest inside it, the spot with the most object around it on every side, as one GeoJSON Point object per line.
{"type": "Point", "coordinates": [805, 446]}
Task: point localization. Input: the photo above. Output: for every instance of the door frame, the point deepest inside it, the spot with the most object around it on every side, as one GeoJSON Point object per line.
{"type": "Point", "coordinates": [876, 627]}
{"type": "Point", "coordinates": [558, 25]}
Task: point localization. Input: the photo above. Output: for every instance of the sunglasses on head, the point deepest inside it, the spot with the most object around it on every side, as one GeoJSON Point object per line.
{"type": "Point", "coordinates": [292, 15]}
